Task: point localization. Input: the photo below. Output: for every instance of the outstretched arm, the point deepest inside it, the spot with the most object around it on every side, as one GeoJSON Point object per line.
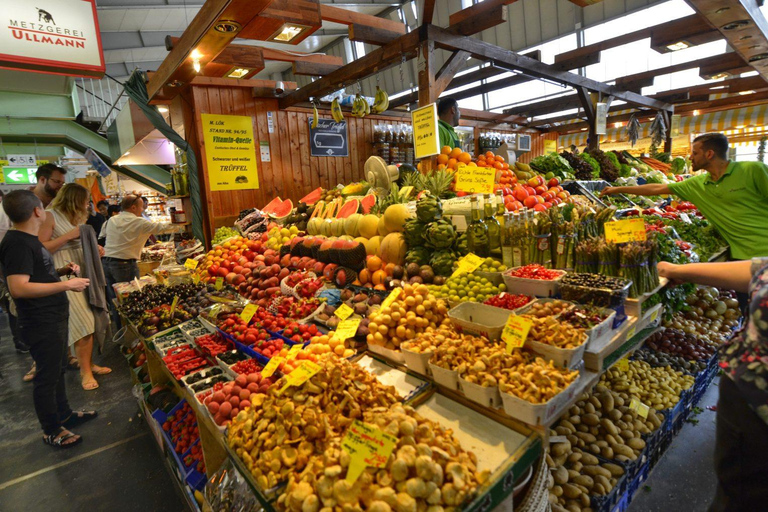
{"type": "Point", "coordinates": [730, 275]}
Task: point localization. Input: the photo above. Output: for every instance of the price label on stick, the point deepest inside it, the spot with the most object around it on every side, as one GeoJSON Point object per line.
{"type": "Point", "coordinates": [366, 446]}
{"type": "Point", "coordinates": [515, 332]}
{"type": "Point", "coordinates": [343, 311]}
{"type": "Point", "coordinates": [468, 264]}
{"type": "Point", "coordinates": [347, 328]}
{"type": "Point", "coordinates": [475, 180]}
{"type": "Point", "coordinates": [174, 304]}
{"type": "Point", "coordinates": [623, 363]}
{"type": "Point", "coordinates": [654, 316]}
{"type": "Point", "coordinates": [626, 230]}
{"type": "Point", "coordinates": [391, 298]}
{"type": "Point", "coordinates": [300, 375]}
{"type": "Point", "coordinates": [294, 351]}
{"type": "Point", "coordinates": [631, 333]}
{"type": "Point", "coordinates": [195, 278]}
{"type": "Point", "coordinates": [248, 311]}
{"type": "Point", "coordinates": [190, 264]}
{"type": "Point", "coordinates": [684, 217]}
{"type": "Point", "coordinates": [271, 366]}
{"type": "Point", "coordinates": [219, 283]}
{"type": "Point", "coordinates": [640, 408]}
{"type": "Point", "coordinates": [137, 283]}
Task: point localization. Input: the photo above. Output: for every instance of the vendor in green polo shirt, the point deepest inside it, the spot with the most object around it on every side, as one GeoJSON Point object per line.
{"type": "Point", "coordinates": [448, 114]}
{"type": "Point", "coordinates": [733, 196]}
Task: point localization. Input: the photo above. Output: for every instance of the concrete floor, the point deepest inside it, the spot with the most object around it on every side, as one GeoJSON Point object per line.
{"type": "Point", "coordinates": [116, 468]}
{"type": "Point", "coordinates": [684, 479]}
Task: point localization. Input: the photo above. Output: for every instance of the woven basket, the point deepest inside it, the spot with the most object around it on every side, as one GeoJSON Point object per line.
{"type": "Point", "coordinates": [537, 497]}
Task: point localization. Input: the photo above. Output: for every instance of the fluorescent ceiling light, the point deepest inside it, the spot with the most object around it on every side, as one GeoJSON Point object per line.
{"type": "Point", "coordinates": [680, 45]}
{"type": "Point", "coordinates": [162, 109]}
{"type": "Point", "coordinates": [288, 32]}
{"type": "Point", "coordinates": [744, 93]}
{"type": "Point", "coordinates": [238, 72]}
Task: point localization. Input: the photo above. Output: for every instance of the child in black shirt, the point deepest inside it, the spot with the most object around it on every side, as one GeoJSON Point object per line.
{"type": "Point", "coordinates": [43, 313]}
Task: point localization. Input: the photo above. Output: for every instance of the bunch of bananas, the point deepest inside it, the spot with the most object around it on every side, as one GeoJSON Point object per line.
{"type": "Point", "coordinates": [360, 106]}
{"type": "Point", "coordinates": [336, 111]}
{"type": "Point", "coordinates": [381, 101]}
{"type": "Point", "coordinates": [315, 115]}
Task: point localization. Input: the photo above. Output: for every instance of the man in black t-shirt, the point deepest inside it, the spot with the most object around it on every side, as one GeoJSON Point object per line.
{"type": "Point", "coordinates": [43, 313]}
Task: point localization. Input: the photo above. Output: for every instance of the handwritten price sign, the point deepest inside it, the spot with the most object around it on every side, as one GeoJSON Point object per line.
{"type": "Point", "coordinates": [627, 230]}
{"type": "Point", "coordinates": [516, 332]}
{"type": "Point", "coordinates": [468, 264]}
{"type": "Point", "coordinates": [301, 374]}
{"type": "Point", "coordinates": [475, 180]}
{"type": "Point", "coordinates": [367, 446]}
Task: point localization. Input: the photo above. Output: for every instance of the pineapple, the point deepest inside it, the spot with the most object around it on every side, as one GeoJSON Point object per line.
{"type": "Point", "coordinates": [439, 182]}
{"type": "Point", "coordinates": [395, 196]}
{"type": "Point", "coordinates": [415, 180]}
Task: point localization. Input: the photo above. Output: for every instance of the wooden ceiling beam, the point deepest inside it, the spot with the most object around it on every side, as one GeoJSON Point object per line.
{"type": "Point", "coordinates": [479, 10]}
{"type": "Point", "coordinates": [371, 35]}
{"type": "Point", "coordinates": [446, 73]}
{"type": "Point", "coordinates": [722, 62]}
{"type": "Point", "coordinates": [200, 35]}
{"type": "Point", "coordinates": [374, 62]}
{"type": "Point", "coordinates": [345, 17]}
{"type": "Point", "coordinates": [305, 68]}
{"type": "Point", "coordinates": [281, 56]}
{"type": "Point", "coordinates": [475, 24]}
{"type": "Point", "coordinates": [428, 12]}
{"type": "Point", "coordinates": [516, 62]}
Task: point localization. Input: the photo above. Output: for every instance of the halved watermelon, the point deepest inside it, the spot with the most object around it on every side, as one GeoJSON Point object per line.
{"type": "Point", "coordinates": [283, 209]}
{"type": "Point", "coordinates": [368, 202]}
{"type": "Point", "coordinates": [270, 208]}
{"type": "Point", "coordinates": [348, 209]}
{"type": "Point", "coordinates": [313, 196]}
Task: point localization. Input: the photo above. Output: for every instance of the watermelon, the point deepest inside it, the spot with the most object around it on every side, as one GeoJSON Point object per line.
{"type": "Point", "coordinates": [272, 205]}
{"type": "Point", "coordinates": [368, 202]}
{"type": "Point", "coordinates": [283, 209]}
{"type": "Point", "coordinates": [313, 196]}
{"type": "Point", "coordinates": [348, 209]}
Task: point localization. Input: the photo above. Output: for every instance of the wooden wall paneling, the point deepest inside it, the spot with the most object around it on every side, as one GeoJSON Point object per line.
{"type": "Point", "coordinates": [284, 188]}
{"type": "Point", "coordinates": [311, 181]}
{"type": "Point", "coordinates": [295, 166]}
{"type": "Point", "coordinates": [199, 96]}
{"type": "Point", "coordinates": [268, 169]}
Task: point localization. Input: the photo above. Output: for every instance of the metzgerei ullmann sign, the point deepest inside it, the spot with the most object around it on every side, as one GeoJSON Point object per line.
{"type": "Point", "coordinates": [51, 36]}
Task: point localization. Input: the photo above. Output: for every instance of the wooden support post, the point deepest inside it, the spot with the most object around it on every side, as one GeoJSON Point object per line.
{"type": "Point", "coordinates": [426, 65]}
{"type": "Point", "coordinates": [429, 11]}
{"type": "Point", "coordinates": [668, 121]}
{"type": "Point", "coordinates": [589, 111]}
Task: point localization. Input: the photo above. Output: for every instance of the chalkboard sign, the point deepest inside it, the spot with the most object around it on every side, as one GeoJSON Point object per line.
{"type": "Point", "coordinates": [329, 138]}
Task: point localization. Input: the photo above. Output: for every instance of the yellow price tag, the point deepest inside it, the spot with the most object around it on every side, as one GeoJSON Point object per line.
{"type": "Point", "coordinates": [219, 283]}
{"type": "Point", "coordinates": [640, 408]}
{"type": "Point", "coordinates": [366, 446]}
{"type": "Point", "coordinates": [195, 278]}
{"type": "Point", "coordinates": [626, 230]}
{"type": "Point", "coordinates": [347, 328]}
{"type": "Point", "coordinates": [391, 298]}
{"type": "Point", "coordinates": [475, 180]}
{"type": "Point", "coordinates": [343, 311]}
{"type": "Point", "coordinates": [174, 304]}
{"type": "Point", "coordinates": [468, 264]}
{"type": "Point", "coordinates": [654, 315]}
{"type": "Point", "coordinates": [295, 351]}
{"type": "Point", "coordinates": [406, 191]}
{"type": "Point", "coordinates": [248, 311]}
{"type": "Point", "coordinates": [191, 264]}
{"type": "Point", "coordinates": [516, 331]}
{"type": "Point", "coordinates": [301, 374]}
{"type": "Point", "coordinates": [426, 140]}
{"type": "Point", "coordinates": [272, 366]}
{"type": "Point", "coordinates": [623, 363]}
{"type": "Point", "coordinates": [631, 332]}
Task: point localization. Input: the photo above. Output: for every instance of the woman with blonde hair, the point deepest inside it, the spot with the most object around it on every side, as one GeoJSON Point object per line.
{"type": "Point", "coordinates": [60, 234]}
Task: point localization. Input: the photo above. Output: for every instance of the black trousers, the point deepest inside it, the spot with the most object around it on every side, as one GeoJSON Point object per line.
{"type": "Point", "coordinates": [47, 343]}
{"type": "Point", "coordinates": [5, 304]}
{"type": "Point", "coordinates": [741, 454]}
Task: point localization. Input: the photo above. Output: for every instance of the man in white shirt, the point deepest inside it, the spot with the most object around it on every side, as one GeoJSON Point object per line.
{"type": "Point", "coordinates": [127, 233]}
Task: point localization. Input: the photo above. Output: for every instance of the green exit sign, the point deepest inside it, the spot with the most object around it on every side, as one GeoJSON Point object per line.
{"type": "Point", "coordinates": [19, 175]}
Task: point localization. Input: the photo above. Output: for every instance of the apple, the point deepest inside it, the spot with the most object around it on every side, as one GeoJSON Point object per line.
{"type": "Point", "coordinates": [230, 278]}
{"type": "Point", "coordinates": [541, 189]}
{"type": "Point", "coordinates": [520, 193]}
{"type": "Point", "coordinates": [531, 191]}
{"type": "Point", "coordinates": [553, 182]}
{"type": "Point", "coordinates": [530, 201]}
{"type": "Point", "coordinates": [536, 181]}
{"type": "Point", "coordinates": [540, 208]}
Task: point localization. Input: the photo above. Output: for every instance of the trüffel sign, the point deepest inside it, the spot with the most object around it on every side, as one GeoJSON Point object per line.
{"type": "Point", "coordinates": [51, 36]}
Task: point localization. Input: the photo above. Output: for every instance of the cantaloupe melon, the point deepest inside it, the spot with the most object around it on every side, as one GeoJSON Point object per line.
{"type": "Point", "coordinates": [337, 227]}
{"type": "Point", "coordinates": [372, 245]}
{"type": "Point", "coordinates": [350, 224]}
{"type": "Point", "coordinates": [382, 228]}
{"type": "Point", "coordinates": [395, 216]}
{"type": "Point", "coordinates": [313, 226]}
{"type": "Point", "coordinates": [368, 226]}
{"type": "Point", "coordinates": [325, 227]}
{"type": "Point", "coordinates": [347, 237]}
{"type": "Point", "coordinates": [392, 249]}
{"type": "Point", "coordinates": [361, 239]}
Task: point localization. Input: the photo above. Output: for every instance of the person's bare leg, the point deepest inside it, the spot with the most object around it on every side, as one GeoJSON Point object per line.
{"type": "Point", "coordinates": [84, 351]}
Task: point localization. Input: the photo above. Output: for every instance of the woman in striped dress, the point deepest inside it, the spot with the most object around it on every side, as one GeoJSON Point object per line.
{"type": "Point", "coordinates": [60, 235]}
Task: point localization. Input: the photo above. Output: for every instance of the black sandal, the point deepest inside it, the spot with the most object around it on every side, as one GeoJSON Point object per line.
{"type": "Point", "coordinates": [78, 418]}
{"type": "Point", "coordinates": [57, 440]}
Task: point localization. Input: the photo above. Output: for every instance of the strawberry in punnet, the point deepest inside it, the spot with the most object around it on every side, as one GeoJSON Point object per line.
{"type": "Point", "coordinates": [268, 348]}
{"type": "Point", "coordinates": [300, 332]}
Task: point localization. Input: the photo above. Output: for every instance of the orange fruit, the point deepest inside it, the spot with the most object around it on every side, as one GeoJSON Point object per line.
{"type": "Point", "coordinates": [489, 155]}
{"type": "Point", "coordinates": [452, 163]}
{"type": "Point", "coordinates": [445, 150]}
{"type": "Point", "coordinates": [379, 287]}
{"type": "Point", "coordinates": [464, 158]}
{"type": "Point", "coordinates": [471, 164]}
{"type": "Point", "coordinates": [442, 158]}
{"type": "Point", "coordinates": [364, 276]}
{"type": "Point", "coordinates": [389, 268]}
{"type": "Point", "coordinates": [499, 158]}
{"type": "Point", "coordinates": [455, 152]}
{"type": "Point", "coordinates": [441, 167]}
{"type": "Point", "coordinates": [374, 263]}
{"type": "Point", "coordinates": [378, 277]}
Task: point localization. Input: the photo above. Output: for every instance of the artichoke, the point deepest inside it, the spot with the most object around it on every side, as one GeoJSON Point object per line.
{"type": "Point", "coordinates": [442, 262]}
{"type": "Point", "coordinates": [440, 234]}
{"type": "Point", "coordinates": [429, 208]}
{"type": "Point", "coordinates": [414, 232]}
{"type": "Point", "coordinates": [419, 255]}
{"type": "Point", "coordinates": [461, 246]}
